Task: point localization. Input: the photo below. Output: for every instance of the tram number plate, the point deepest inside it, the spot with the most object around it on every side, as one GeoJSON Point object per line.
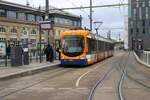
{"type": "Point", "coordinates": [70, 60]}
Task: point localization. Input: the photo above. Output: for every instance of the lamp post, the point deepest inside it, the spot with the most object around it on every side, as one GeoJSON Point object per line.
{"type": "Point", "coordinates": [47, 18]}
{"type": "Point", "coordinates": [99, 24]}
{"type": "Point", "coordinates": [90, 15]}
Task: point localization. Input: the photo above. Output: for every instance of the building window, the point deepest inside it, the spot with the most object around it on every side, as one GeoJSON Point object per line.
{"type": "Point", "coordinates": [33, 31]}
{"type": "Point", "coordinates": [30, 17]}
{"type": "Point", "coordinates": [39, 18]}
{"type": "Point", "coordinates": [24, 31]}
{"type": "Point", "coordinates": [2, 29]}
{"type": "Point", "coordinates": [146, 12]}
{"type": "Point", "coordinates": [11, 14]}
{"type": "Point", "coordinates": [131, 30]}
{"type": "Point", "coordinates": [2, 13]}
{"type": "Point", "coordinates": [13, 30]}
{"type": "Point", "coordinates": [134, 14]}
{"type": "Point", "coordinates": [143, 22]}
{"type": "Point", "coordinates": [140, 13]}
{"type": "Point", "coordinates": [42, 32]}
{"type": "Point", "coordinates": [137, 30]}
{"type": "Point", "coordinates": [33, 42]}
{"type": "Point", "coordinates": [13, 39]}
{"type": "Point", "coordinates": [143, 4]}
{"type": "Point", "coordinates": [143, 30]}
{"type": "Point", "coordinates": [22, 16]}
{"type": "Point", "coordinates": [137, 3]}
{"type": "Point", "coordinates": [131, 24]}
{"type": "Point", "coordinates": [24, 41]}
{"type": "Point", "coordinates": [2, 39]}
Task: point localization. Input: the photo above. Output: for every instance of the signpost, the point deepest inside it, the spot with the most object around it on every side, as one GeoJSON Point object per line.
{"type": "Point", "coordinates": [44, 25]}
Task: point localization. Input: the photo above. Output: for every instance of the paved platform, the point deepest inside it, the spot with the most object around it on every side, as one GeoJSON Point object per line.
{"type": "Point", "coordinates": [13, 72]}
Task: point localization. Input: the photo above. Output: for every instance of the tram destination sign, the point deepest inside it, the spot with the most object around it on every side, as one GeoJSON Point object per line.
{"type": "Point", "coordinates": [45, 25]}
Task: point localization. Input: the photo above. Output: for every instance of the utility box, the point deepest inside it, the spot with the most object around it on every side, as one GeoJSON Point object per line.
{"type": "Point", "coordinates": [16, 56]}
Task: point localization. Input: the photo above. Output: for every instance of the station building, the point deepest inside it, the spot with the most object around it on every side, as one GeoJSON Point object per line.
{"type": "Point", "coordinates": [21, 23]}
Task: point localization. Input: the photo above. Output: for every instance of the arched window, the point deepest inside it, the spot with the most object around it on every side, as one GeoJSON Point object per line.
{"type": "Point", "coordinates": [13, 30]}
{"type": "Point", "coordinates": [24, 31]}
{"type": "Point", "coordinates": [42, 32]}
{"type": "Point", "coordinates": [33, 31]}
{"type": "Point", "coordinates": [2, 29]}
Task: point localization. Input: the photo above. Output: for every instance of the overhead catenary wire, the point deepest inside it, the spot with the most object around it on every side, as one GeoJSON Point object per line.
{"type": "Point", "coordinates": [99, 6]}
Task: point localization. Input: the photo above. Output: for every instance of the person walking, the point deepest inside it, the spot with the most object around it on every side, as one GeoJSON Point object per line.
{"type": "Point", "coordinates": [8, 51]}
{"type": "Point", "coordinates": [46, 51]}
{"type": "Point", "coordinates": [49, 53]}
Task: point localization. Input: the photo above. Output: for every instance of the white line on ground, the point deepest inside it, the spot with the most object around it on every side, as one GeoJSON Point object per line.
{"type": "Point", "coordinates": [65, 88]}
{"type": "Point", "coordinates": [78, 80]}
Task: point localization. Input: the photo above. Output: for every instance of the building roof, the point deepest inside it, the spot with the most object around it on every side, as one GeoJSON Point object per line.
{"type": "Point", "coordinates": [42, 9]}
{"type": "Point", "coordinates": [19, 6]}
{"type": "Point", "coordinates": [59, 12]}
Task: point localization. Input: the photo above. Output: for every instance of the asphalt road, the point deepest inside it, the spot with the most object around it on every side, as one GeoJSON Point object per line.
{"type": "Point", "coordinates": [75, 83]}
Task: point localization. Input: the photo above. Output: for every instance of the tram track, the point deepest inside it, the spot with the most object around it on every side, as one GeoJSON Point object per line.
{"type": "Point", "coordinates": [100, 82]}
{"type": "Point", "coordinates": [57, 73]}
{"type": "Point", "coordinates": [139, 72]}
{"type": "Point", "coordinates": [123, 68]}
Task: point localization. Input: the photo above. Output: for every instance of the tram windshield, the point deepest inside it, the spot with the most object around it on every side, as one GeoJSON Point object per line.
{"type": "Point", "coordinates": [72, 45]}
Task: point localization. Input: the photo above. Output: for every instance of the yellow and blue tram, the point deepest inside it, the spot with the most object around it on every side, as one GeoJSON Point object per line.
{"type": "Point", "coordinates": [80, 47]}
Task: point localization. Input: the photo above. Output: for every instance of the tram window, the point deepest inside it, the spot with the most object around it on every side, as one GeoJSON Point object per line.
{"type": "Point", "coordinates": [91, 47]}
{"type": "Point", "coordinates": [100, 45]}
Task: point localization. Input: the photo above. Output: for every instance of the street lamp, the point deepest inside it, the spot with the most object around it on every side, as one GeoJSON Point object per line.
{"type": "Point", "coordinates": [98, 24]}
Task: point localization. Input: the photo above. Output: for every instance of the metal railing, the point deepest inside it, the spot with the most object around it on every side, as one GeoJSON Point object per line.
{"type": "Point", "coordinates": [34, 57]}
{"type": "Point", "coordinates": [144, 56]}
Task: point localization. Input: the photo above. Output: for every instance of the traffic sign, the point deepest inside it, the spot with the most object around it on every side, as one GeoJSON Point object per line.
{"type": "Point", "coordinates": [45, 25]}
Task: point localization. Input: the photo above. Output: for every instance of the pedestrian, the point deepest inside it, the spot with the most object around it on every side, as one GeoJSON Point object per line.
{"type": "Point", "coordinates": [8, 51]}
{"type": "Point", "coordinates": [49, 53]}
{"type": "Point", "coordinates": [46, 51]}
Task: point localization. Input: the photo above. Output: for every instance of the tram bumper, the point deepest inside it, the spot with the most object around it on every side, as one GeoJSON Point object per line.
{"type": "Point", "coordinates": [74, 62]}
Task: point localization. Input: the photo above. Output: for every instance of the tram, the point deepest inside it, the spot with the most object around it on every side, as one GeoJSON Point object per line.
{"type": "Point", "coordinates": [80, 47]}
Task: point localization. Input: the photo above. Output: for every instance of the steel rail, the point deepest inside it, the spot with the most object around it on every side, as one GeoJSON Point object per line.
{"type": "Point", "coordinates": [120, 87]}
{"type": "Point", "coordinates": [36, 83]}
{"type": "Point", "coordinates": [100, 82]}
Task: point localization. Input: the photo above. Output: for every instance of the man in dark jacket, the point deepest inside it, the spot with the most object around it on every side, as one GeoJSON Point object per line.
{"type": "Point", "coordinates": [49, 53]}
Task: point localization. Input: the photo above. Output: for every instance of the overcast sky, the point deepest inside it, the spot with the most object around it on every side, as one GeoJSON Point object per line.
{"type": "Point", "coordinates": [112, 17]}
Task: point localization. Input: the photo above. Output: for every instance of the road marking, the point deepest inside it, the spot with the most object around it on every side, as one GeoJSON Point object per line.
{"type": "Point", "coordinates": [103, 63]}
{"type": "Point", "coordinates": [78, 80]}
{"type": "Point", "coordinates": [82, 88]}
{"type": "Point", "coordinates": [65, 88]}
{"type": "Point", "coordinates": [107, 88]}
